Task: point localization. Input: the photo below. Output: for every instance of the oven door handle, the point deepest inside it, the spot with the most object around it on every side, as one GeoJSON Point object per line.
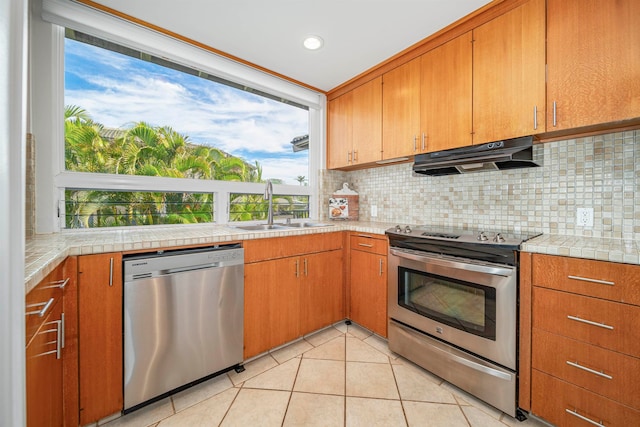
{"type": "Point", "coordinates": [460, 265]}
{"type": "Point", "coordinates": [473, 365]}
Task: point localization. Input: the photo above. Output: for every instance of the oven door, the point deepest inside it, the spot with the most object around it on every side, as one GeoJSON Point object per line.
{"type": "Point", "coordinates": [470, 304]}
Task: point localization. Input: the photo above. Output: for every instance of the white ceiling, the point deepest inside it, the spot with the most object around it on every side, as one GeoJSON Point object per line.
{"type": "Point", "coordinates": [358, 34]}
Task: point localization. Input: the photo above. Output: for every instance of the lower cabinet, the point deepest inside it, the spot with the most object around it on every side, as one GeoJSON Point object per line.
{"type": "Point", "coordinates": [44, 372]}
{"type": "Point", "coordinates": [368, 282]}
{"type": "Point", "coordinates": [100, 336]}
{"type": "Point", "coordinates": [50, 350]}
{"type": "Point", "coordinates": [585, 357]}
{"type": "Point", "coordinates": [290, 296]}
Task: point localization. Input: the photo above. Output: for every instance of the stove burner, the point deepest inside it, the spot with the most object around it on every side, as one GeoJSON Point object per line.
{"type": "Point", "coordinates": [442, 235]}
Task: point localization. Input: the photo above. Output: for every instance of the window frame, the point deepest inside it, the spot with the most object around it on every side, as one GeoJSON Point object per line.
{"type": "Point", "coordinates": [47, 112]}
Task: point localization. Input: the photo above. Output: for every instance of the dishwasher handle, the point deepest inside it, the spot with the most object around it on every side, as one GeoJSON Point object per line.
{"type": "Point", "coordinates": [190, 268]}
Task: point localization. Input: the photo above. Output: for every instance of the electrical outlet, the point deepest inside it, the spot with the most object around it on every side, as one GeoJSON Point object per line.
{"type": "Point", "coordinates": [374, 211]}
{"type": "Point", "coordinates": [584, 217]}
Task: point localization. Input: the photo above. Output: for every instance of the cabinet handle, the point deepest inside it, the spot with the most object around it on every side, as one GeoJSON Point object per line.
{"type": "Point", "coordinates": [586, 279]}
{"type": "Point", "coordinates": [535, 117]}
{"type": "Point", "coordinates": [366, 236]}
{"type": "Point", "coordinates": [415, 143]}
{"type": "Point", "coordinates": [555, 121]}
{"type": "Point", "coordinates": [62, 327]}
{"type": "Point", "coordinates": [584, 368]}
{"type": "Point", "coordinates": [590, 322]}
{"type": "Point", "coordinates": [583, 418]}
{"type": "Point", "coordinates": [424, 137]}
{"type": "Point", "coordinates": [59, 339]}
{"type": "Point", "coordinates": [57, 330]}
{"type": "Point", "coordinates": [381, 271]}
{"type": "Point", "coordinates": [111, 272]}
{"type": "Point", "coordinates": [348, 156]}
{"type": "Point", "coordinates": [366, 245]}
{"type": "Point", "coordinates": [58, 284]}
{"type": "Point", "coordinates": [306, 273]}
{"type": "Point", "coordinates": [297, 268]}
{"type": "Point", "coordinates": [355, 155]}
{"type": "Point", "coordinates": [45, 307]}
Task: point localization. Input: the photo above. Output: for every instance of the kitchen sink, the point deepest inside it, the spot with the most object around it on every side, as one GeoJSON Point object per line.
{"type": "Point", "coordinates": [262, 227]}
{"type": "Point", "coordinates": [266, 227]}
{"type": "Point", "coordinates": [307, 224]}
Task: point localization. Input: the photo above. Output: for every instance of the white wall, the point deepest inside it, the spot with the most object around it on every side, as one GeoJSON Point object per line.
{"type": "Point", "coordinates": [13, 83]}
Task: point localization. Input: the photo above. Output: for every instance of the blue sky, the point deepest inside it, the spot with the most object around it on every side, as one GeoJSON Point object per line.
{"type": "Point", "coordinates": [118, 90]}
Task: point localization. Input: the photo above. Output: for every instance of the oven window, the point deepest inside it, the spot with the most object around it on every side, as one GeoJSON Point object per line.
{"type": "Point", "coordinates": [466, 306]}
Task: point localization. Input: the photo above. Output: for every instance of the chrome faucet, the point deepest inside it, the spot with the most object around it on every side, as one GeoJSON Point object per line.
{"type": "Point", "coordinates": [268, 195]}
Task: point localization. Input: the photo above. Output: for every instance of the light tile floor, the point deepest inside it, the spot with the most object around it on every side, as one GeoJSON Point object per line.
{"type": "Point", "coordinates": [340, 376]}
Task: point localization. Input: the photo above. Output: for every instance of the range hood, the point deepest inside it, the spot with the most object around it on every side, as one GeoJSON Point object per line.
{"type": "Point", "coordinates": [508, 154]}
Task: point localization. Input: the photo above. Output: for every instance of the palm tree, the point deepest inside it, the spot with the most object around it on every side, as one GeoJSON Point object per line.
{"type": "Point", "coordinates": [301, 179]}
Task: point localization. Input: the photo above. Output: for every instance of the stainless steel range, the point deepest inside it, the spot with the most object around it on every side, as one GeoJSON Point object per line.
{"type": "Point", "coordinates": [453, 297]}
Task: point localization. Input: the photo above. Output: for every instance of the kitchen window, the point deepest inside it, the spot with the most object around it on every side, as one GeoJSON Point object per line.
{"type": "Point", "coordinates": [178, 123]}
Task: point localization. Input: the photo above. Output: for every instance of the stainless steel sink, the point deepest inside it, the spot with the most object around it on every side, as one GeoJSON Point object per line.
{"type": "Point", "coordinates": [266, 227]}
{"type": "Point", "coordinates": [308, 224]}
{"type": "Point", "coordinates": [262, 227]}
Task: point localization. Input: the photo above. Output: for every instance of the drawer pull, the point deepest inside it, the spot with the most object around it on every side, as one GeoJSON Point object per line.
{"type": "Point", "coordinates": [583, 418]}
{"type": "Point", "coordinates": [366, 236]}
{"type": "Point", "coordinates": [45, 307]}
{"type": "Point", "coordinates": [586, 279]}
{"type": "Point", "coordinates": [590, 322]}
{"type": "Point", "coordinates": [58, 284]}
{"type": "Point", "coordinates": [584, 368]}
{"type": "Point", "coordinates": [366, 245]}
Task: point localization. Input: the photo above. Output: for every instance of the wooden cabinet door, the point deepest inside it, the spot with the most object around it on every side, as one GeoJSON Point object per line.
{"type": "Point", "coordinates": [593, 60]}
{"type": "Point", "coordinates": [367, 122]}
{"type": "Point", "coordinates": [44, 373]}
{"type": "Point", "coordinates": [368, 291]}
{"type": "Point", "coordinates": [271, 304]}
{"type": "Point", "coordinates": [340, 131]}
{"type": "Point", "coordinates": [100, 335]}
{"type": "Point", "coordinates": [401, 134]}
{"type": "Point", "coordinates": [509, 74]}
{"type": "Point", "coordinates": [322, 290]}
{"type": "Point", "coordinates": [446, 90]}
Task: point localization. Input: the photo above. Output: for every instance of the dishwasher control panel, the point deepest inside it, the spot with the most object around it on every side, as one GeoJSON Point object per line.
{"type": "Point", "coordinates": [162, 263]}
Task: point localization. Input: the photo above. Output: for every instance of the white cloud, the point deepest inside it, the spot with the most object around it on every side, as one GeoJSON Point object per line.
{"type": "Point", "coordinates": [237, 122]}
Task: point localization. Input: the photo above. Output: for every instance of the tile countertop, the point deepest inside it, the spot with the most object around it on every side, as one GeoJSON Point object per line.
{"type": "Point", "coordinates": [45, 251]}
{"type": "Point", "coordinates": [615, 250]}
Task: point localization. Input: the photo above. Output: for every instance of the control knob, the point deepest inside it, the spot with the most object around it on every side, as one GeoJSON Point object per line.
{"type": "Point", "coordinates": [407, 229]}
{"type": "Point", "coordinates": [498, 238]}
{"type": "Point", "coordinates": [482, 237]}
{"type": "Point", "coordinates": [398, 229]}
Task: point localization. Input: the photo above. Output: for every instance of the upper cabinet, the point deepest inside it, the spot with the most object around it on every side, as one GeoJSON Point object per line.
{"type": "Point", "coordinates": [519, 68]}
{"type": "Point", "coordinates": [340, 131]}
{"type": "Point", "coordinates": [401, 131]}
{"type": "Point", "coordinates": [446, 95]}
{"type": "Point", "coordinates": [427, 101]}
{"type": "Point", "coordinates": [593, 54]}
{"type": "Point", "coordinates": [355, 126]}
{"type": "Point", "coordinates": [509, 74]}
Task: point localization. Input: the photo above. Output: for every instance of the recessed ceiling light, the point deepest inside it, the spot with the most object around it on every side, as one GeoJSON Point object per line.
{"type": "Point", "coordinates": [313, 42]}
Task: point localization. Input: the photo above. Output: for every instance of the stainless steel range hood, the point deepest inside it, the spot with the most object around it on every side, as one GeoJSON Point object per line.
{"type": "Point", "coordinates": [508, 154]}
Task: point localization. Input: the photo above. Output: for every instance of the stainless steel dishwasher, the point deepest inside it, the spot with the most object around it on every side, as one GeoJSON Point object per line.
{"type": "Point", "coordinates": [183, 319]}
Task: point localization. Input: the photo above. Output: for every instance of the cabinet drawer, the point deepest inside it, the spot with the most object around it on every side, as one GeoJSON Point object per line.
{"type": "Point", "coordinates": [601, 279]}
{"type": "Point", "coordinates": [602, 323]}
{"type": "Point", "coordinates": [41, 300]}
{"type": "Point", "coordinates": [604, 372]}
{"type": "Point", "coordinates": [368, 243]}
{"type": "Point", "coordinates": [563, 404]}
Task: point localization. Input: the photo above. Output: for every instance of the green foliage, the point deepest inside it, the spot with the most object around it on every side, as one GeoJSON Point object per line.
{"type": "Point", "coordinates": [150, 151]}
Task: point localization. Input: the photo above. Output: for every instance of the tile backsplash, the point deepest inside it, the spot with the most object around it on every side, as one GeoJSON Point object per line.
{"type": "Point", "coordinates": [600, 172]}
